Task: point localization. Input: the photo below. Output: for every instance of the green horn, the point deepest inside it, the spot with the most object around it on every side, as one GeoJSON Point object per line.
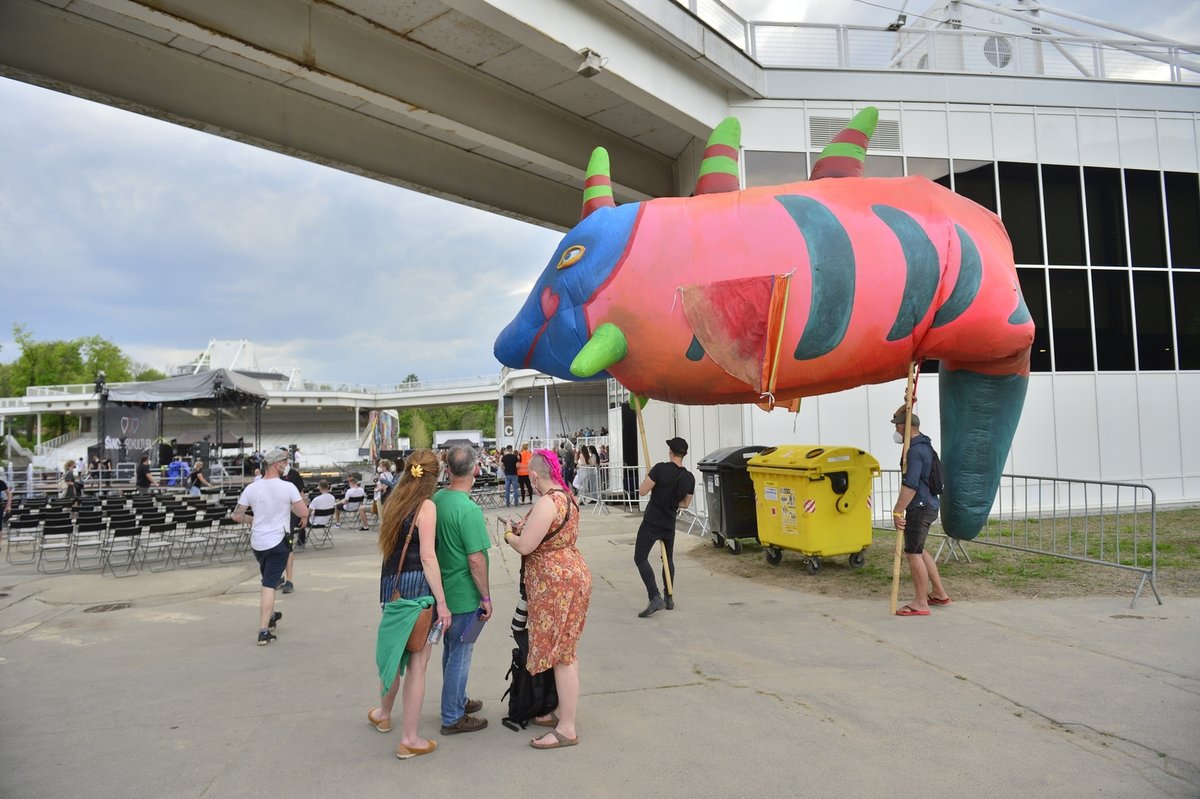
{"type": "Point", "coordinates": [606, 346]}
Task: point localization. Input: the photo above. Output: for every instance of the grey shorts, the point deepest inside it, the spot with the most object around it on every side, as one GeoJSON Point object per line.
{"type": "Point", "coordinates": [916, 528]}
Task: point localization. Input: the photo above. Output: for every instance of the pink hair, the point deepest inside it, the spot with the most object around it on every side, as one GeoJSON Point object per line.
{"type": "Point", "coordinates": [555, 468]}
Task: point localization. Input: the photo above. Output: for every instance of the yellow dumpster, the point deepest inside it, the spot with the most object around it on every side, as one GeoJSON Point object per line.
{"type": "Point", "coordinates": [813, 500]}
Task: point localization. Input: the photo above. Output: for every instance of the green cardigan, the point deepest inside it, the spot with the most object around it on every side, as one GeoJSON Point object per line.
{"type": "Point", "coordinates": [399, 618]}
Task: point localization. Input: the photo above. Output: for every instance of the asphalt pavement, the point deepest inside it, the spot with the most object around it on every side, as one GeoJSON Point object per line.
{"type": "Point", "coordinates": [152, 686]}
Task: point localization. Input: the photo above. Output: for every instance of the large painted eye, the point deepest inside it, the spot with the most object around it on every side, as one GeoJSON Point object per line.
{"type": "Point", "coordinates": [571, 255]}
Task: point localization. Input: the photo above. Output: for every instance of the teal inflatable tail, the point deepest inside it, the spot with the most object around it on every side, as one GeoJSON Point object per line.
{"type": "Point", "coordinates": [979, 418]}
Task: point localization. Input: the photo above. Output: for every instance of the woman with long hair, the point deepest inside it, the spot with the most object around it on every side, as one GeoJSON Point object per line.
{"type": "Point", "coordinates": [559, 586]}
{"type": "Point", "coordinates": [409, 508]}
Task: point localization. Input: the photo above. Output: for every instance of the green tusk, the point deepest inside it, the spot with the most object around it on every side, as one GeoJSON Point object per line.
{"type": "Point", "coordinates": [606, 346]}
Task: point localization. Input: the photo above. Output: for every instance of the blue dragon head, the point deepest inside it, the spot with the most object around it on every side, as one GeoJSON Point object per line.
{"type": "Point", "coordinates": [551, 329]}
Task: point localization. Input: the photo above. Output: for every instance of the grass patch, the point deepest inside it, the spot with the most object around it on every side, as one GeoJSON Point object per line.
{"type": "Point", "coordinates": [996, 573]}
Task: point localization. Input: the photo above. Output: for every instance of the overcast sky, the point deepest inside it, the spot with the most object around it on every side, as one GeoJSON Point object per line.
{"type": "Point", "coordinates": [159, 237]}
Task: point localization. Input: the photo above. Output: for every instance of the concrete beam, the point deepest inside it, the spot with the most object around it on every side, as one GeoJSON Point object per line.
{"type": "Point", "coordinates": [58, 49]}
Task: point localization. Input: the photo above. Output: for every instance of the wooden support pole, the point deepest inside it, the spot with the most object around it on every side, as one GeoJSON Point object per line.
{"type": "Point", "coordinates": [908, 405]}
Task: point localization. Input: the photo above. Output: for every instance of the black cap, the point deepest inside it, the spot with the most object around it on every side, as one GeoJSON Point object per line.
{"type": "Point", "coordinates": [678, 445]}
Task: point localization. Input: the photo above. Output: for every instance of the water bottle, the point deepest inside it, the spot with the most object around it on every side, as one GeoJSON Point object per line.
{"type": "Point", "coordinates": [435, 633]}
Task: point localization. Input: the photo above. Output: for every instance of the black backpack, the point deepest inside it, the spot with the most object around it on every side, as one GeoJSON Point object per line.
{"type": "Point", "coordinates": [528, 695]}
{"type": "Point", "coordinates": [936, 486]}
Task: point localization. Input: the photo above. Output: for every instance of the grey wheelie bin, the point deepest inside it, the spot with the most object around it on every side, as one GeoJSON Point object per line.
{"type": "Point", "coordinates": [729, 496]}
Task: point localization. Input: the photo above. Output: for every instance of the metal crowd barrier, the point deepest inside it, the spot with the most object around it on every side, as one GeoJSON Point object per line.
{"type": "Point", "coordinates": [1089, 521]}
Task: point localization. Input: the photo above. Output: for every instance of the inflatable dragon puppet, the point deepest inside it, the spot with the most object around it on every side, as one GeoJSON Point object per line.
{"type": "Point", "coordinates": [780, 292]}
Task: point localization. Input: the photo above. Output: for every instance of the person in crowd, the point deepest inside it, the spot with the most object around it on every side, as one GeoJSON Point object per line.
{"type": "Point", "coordinates": [523, 474]}
{"type": "Point", "coordinates": [385, 480]}
{"type": "Point", "coordinates": [7, 511]}
{"type": "Point", "coordinates": [566, 457]}
{"type": "Point", "coordinates": [106, 470]}
{"type": "Point", "coordinates": [272, 500]}
{"type": "Point", "coordinates": [324, 500]}
{"type": "Point", "coordinates": [411, 509]}
{"type": "Point", "coordinates": [353, 501]}
{"type": "Point", "coordinates": [197, 478]}
{"type": "Point", "coordinates": [143, 479]}
{"type": "Point", "coordinates": [509, 463]}
{"type": "Point", "coordinates": [70, 482]}
{"type": "Point", "coordinates": [559, 586]}
{"type": "Point", "coordinates": [299, 527]}
{"type": "Point", "coordinates": [670, 487]}
{"type": "Point", "coordinates": [916, 509]}
{"type": "Point", "coordinates": [462, 545]}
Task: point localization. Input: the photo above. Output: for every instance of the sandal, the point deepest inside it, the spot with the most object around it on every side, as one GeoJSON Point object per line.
{"type": "Point", "coordinates": [382, 726]}
{"type": "Point", "coordinates": [936, 601]}
{"type": "Point", "coordinates": [406, 752]}
{"type": "Point", "coordinates": [560, 741]}
{"type": "Point", "coordinates": [553, 722]}
{"type": "Point", "coordinates": [909, 610]}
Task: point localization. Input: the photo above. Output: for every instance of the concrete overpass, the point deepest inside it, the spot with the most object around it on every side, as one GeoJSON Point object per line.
{"type": "Point", "coordinates": [478, 101]}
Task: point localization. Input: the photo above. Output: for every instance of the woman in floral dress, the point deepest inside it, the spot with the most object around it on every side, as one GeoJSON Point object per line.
{"type": "Point", "coordinates": [559, 587]}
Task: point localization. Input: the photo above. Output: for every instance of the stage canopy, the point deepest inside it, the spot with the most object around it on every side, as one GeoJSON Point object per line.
{"type": "Point", "coordinates": [216, 387]}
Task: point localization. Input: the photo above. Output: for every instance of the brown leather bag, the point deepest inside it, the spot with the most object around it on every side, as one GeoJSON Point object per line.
{"type": "Point", "coordinates": [420, 631]}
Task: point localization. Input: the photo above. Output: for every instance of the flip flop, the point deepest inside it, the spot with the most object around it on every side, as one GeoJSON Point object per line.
{"type": "Point", "coordinates": [909, 610]}
{"type": "Point", "coordinates": [406, 752]}
{"type": "Point", "coordinates": [934, 601]}
{"type": "Point", "coordinates": [382, 726]}
{"type": "Point", "coordinates": [553, 722]}
{"type": "Point", "coordinates": [560, 741]}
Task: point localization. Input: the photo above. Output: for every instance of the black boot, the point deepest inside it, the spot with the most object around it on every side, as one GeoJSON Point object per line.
{"type": "Point", "coordinates": [656, 604]}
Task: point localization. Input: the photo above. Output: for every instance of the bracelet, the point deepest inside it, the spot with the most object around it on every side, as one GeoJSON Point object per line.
{"type": "Point", "coordinates": [485, 599]}
{"type": "Point", "coordinates": [897, 514]}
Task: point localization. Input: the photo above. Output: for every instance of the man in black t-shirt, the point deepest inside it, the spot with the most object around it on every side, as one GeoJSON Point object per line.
{"type": "Point", "coordinates": [144, 478]}
{"type": "Point", "coordinates": [670, 487]}
{"type": "Point", "coordinates": [508, 462]}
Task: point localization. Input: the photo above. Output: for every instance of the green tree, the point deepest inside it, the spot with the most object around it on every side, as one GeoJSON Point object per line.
{"type": "Point", "coordinates": [411, 378]}
{"type": "Point", "coordinates": [418, 432]}
{"type": "Point", "coordinates": [146, 373]}
{"type": "Point", "coordinates": [101, 355]}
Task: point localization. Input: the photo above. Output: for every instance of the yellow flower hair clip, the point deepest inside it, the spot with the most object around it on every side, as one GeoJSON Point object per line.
{"type": "Point", "coordinates": [416, 471]}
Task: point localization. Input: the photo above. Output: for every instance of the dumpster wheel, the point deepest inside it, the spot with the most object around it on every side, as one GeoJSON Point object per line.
{"type": "Point", "coordinates": [735, 546]}
{"type": "Point", "coordinates": [813, 565]}
{"type": "Point", "coordinates": [773, 555]}
{"type": "Point", "coordinates": [718, 540]}
{"type": "Point", "coordinates": [857, 560]}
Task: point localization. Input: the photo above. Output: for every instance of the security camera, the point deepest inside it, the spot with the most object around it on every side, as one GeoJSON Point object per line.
{"type": "Point", "coordinates": [592, 63]}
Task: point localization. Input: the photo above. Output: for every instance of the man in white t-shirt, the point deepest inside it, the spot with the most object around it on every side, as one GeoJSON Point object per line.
{"type": "Point", "coordinates": [355, 501]}
{"type": "Point", "coordinates": [273, 501]}
{"type": "Point", "coordinates": [322, 501]}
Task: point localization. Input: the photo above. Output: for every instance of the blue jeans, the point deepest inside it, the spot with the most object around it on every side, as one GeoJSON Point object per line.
{"type": "Point", "coordinates": [510, 490]}
{"type": "Point", "coordinates": [456, 663]}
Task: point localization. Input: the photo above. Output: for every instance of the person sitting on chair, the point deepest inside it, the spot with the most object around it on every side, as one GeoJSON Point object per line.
{"type": "Point", "coordinates": [353, 502]}
{"type": "Point", "coordinates": [323, 501]}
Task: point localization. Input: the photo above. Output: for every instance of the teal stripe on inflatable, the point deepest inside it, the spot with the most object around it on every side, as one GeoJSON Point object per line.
{"type": "Point", "coordinates": [921, 260]}
{"type": "Point", "coordinates": [1021, 315]}
{"type": "Point", "coordinates": [831, 259]}
{"type": "Point", "coordinates": [696, 351]}
{"type": "Point", "coordinates": [979, 419]}
{"type": "Point", "coordinates": [966, 288]}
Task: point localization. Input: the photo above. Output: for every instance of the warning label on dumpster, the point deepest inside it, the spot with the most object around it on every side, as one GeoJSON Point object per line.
{"type": "Point", "coordinates": [770, 494]}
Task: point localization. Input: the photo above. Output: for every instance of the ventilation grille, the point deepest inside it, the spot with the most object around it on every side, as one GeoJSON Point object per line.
{"type": "Point", "coordinates": [821, 131]}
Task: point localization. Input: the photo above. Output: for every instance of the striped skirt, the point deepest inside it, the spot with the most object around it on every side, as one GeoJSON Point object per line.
{"type": "Point", "coordinates": [412, 586]}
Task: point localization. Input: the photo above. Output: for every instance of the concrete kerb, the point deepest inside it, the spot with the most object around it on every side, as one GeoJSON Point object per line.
{"type": "Point", "coordinates": [742, 688]}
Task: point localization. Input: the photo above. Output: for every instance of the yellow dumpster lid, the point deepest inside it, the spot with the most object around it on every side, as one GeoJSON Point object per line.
{"type": "Point", "coordinates": [813, 457]}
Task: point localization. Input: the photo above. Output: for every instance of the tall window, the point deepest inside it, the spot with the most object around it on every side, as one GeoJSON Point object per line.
{"type": "Point", "coordinates": [1147, 237]}
{"type": "Point", "coordinates": [976, 180]}
{"type": "Point", "coordinates": [1064, 215]}
{"type": "Point", "coordinates": [1072, 320]}
{"type": "Point", "coordinates": [1114, 323]}
{"type": "Point", "coordinates": [1187, 318]}
{"type": "Point", "coordinates": [1033, 288]}
{"type": "Point", "coordinates": [1021, 211]}
{"type": "Point", "coordinates": [1106, 216]}
{"type": "Point", "coordinates": [1183, 216]}
{"type": "Point", "coordinates": [1152, 303]}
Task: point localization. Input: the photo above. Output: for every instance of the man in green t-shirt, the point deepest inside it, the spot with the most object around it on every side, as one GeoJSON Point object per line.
{"type": "Point", "coordinates": [462, 545]}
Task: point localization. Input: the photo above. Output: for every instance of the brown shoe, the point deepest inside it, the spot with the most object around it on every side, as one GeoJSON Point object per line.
{"type": "Point", "coordinates": [464, 724]}
{"type": "Point", "coordinates": [473, 706]}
